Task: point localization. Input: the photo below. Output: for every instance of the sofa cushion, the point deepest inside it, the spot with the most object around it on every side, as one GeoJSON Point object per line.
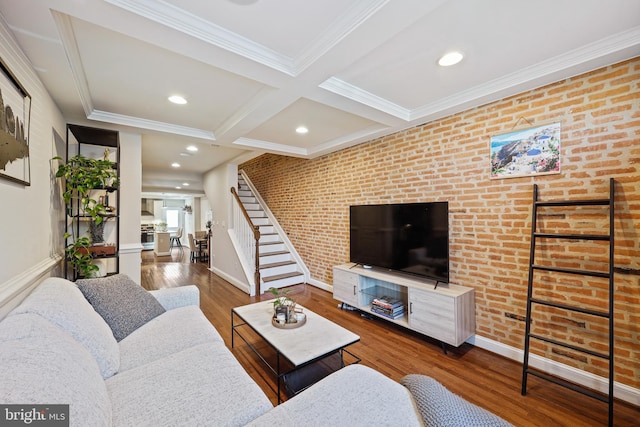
{"type": "Point", "coordinates": [177, 297]}
{"type": "Point", "coordinates": [121, 302]}
{"type": "Point", "coordinates": [203, 385]}
{"type": "Point", "coordinates": [441, 408]}
{"type": "Point", "coordinates": [59, 301]}
{"type": "Point", "coordinates": [168, 333]}
{"type": "Point", "coordinates": [353, 396]}
{"type": "Point", "coordinates": [42, 364]}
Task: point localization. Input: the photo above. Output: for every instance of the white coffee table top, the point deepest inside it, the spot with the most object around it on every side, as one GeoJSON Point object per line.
{"type": "Point", "coordinates": [316, 338]}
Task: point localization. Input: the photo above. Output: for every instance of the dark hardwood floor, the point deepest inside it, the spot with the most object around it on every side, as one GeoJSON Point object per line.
{"type": "Point", "coordinates": [481, 377]}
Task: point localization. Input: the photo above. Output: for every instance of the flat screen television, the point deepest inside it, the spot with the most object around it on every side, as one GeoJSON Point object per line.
{"type": "Point", "coordinates": [410, 238]}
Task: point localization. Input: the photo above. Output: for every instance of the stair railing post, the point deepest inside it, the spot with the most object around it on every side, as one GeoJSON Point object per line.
{"type": "Point", "coordinates": [256, 237]}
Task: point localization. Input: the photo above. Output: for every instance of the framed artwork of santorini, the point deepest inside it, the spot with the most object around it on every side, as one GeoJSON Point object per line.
{"type": "Point", "coordinates": [15, 113]}
{"type": "Point", "coordinates": [526, 152]}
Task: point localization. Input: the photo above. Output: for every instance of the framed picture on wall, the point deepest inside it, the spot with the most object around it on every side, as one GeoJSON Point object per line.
{"type": "Point", "coordinates": [15, 114]}
{"type": "Point", "coordinates": [532, 151]}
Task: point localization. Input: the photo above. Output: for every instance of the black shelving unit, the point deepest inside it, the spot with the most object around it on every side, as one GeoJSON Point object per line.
{"type": "Point", "coordinates": [92, 143]}
{"type": "Point", "coordinates": [532, 302]}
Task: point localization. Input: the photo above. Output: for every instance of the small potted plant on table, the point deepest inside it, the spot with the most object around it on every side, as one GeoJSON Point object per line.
{"type": "Point", "coordinates": [283, 306]}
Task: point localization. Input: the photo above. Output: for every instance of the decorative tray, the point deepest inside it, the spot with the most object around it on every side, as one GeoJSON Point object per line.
{"type": "Point", "coordinates": [294, 325]}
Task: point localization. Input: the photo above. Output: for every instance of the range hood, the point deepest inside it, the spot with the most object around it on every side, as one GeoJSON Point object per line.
{"type": "Point", "coordinates": [147, 207]}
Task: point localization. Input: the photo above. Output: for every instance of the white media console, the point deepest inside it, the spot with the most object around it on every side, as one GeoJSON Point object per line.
{"type": "Point", "coordinates": [445, 312]}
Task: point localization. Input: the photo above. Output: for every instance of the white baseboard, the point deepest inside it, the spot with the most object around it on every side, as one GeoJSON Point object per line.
{"type": "Point", "coordinates": [235, 282]}
{"type": "Point", "coordinates": [321, 285]}
{"type": "Point", "coordinates": [586, 379]}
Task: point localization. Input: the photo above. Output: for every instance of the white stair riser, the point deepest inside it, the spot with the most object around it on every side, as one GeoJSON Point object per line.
{"type": "Point", "coordinates": [248, 199]}
{"type": "Point", "coordinates": [267, 229]}
{"type": "Point", "coordinates": [268, 259]}
{"type": "Point", "coordinates": [245, 193]}
{"type": "Point", "coordinates": [260, 221]}
{"type": "Point", "coordinates": [267, 249]}
{"type": "Point", "coordinates": [281, 269]}
{"type": "Point", "coordinates": [280, 283]}
{"type": "Point", "coordinates": [256, 214]}
{"type": "Point", "coordinates": [264, 238]}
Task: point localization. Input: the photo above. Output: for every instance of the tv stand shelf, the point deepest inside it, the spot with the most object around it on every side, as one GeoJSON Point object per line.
{"type": "Point", "coordinates": [445, 312]}
{"type": "Point", "coordinates": [380, 290]}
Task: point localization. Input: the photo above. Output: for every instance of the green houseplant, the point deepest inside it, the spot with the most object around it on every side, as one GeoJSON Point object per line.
{"type": "Point", "coordinates": [283, 303]}
{"type": "Point", "coordinates": [83, 175]}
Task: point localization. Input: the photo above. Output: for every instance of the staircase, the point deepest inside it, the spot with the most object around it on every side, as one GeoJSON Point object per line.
{"type": "Point", "coordinates": [278, 267]}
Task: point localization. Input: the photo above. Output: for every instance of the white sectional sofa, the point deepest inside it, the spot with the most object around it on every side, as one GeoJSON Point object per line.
{"type": "Point", "coordinates": [175, 370]}
{"type": "Point", "coordinates": [172, 369]}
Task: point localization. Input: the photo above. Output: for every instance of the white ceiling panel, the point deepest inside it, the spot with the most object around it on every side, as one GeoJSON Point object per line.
{"type": "Point", "coordinates": [254, 70]}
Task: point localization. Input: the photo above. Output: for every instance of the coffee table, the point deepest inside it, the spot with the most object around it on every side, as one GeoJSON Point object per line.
{"type": "Point", "coordinates": [318, 339]}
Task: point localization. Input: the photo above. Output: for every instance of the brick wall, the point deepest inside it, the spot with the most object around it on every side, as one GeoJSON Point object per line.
{"type": "Point", "coordinates": [490, 219]}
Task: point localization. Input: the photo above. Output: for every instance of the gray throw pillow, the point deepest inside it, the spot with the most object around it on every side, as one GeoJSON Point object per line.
{"type": "Point", "coordinates": [121, 302]}
{"type": "Point", "coordinates": [441, 408]}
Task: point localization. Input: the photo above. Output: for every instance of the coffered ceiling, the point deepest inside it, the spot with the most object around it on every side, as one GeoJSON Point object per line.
{"type": "Point", "coordinates": [253, 71]}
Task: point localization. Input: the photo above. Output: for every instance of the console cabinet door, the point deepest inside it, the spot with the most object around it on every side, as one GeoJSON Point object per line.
{"type": "Point", "coordinates": [433, 314]}
{"type": "Point", "coordinates": [345, 286]}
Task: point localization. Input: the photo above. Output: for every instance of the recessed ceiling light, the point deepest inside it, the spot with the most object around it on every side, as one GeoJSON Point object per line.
{"type": "Point", "coordinates": [302, 129]}
{"type": "Point", "coordinates": [175, 165]}
{"type": "Point", "coordinates": [177, 99]}
{"type": "Point", "coordinates": [192, 148]}
{"type": "Point", "coordinates": [450, 58]}
{"type": "Point", "coordinates": [178, 188]}
{"type": "Point", "coordinates": [185, 184]}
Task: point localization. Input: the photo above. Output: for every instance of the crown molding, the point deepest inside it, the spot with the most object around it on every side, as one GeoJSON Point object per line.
{"type": "Point", "coordinates": [355, 93]}
{"type": "Point", "coordinates": [366, 134]}
{"type": "Point", "coordinates": [606, 51]}
{"type": "Point", "coordinates": [70, 45]}
{"type": "Point", "coordinates": [121, 119]}
{"type": "Point", "coordinates": [194, 26]}
{"type": "Point", "coordinates": [187, 23]}
{"type": "Point", "coordinates": [346, 23]}
{"type": "Point", "coordinates": [271, 147]}
{"type": "Point", "coordinates": [602, 52]}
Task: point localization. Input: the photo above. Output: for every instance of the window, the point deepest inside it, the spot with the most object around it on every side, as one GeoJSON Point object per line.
{"type": "Point", "coordinates": [173, 218]}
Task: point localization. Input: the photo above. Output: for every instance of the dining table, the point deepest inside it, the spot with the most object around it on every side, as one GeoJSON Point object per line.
{"type": "Point", "coordinates": [202, 244]}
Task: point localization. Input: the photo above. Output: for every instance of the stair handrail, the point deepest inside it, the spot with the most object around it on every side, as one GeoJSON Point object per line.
{"type": "Point", "coordinates": [254, 248]}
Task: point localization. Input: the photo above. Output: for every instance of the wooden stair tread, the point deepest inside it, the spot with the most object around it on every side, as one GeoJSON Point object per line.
{"type": "Point", "coordinates": [277, 264]}
{"type": "Point", "coordinates": [282, 276]}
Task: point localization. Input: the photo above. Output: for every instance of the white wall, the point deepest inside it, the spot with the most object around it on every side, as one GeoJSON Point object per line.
{"type": "Point", "coordinates": [130, 204]}
{"type": "Point", "coordinates": [224, 261]}
{"type": "Point", "coordinates": [30, 218]}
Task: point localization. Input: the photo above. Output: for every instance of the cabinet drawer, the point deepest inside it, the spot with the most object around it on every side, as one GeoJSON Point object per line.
{"type": "Point", "coordinates": [345, 286]}
{"type": "Point", "coordinates": [345, 277]}
{"type": "Point", "coordinates": [433, 314]}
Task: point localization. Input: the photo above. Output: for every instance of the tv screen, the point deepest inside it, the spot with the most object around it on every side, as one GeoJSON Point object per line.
{"type": "Point", "coordinates": [410, 237]}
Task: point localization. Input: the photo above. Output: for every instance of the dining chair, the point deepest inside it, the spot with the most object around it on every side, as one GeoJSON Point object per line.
{"type": "Point", "coordinates": [193, 248]}
{"type": "Point", "coordinates": [175, 239]}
